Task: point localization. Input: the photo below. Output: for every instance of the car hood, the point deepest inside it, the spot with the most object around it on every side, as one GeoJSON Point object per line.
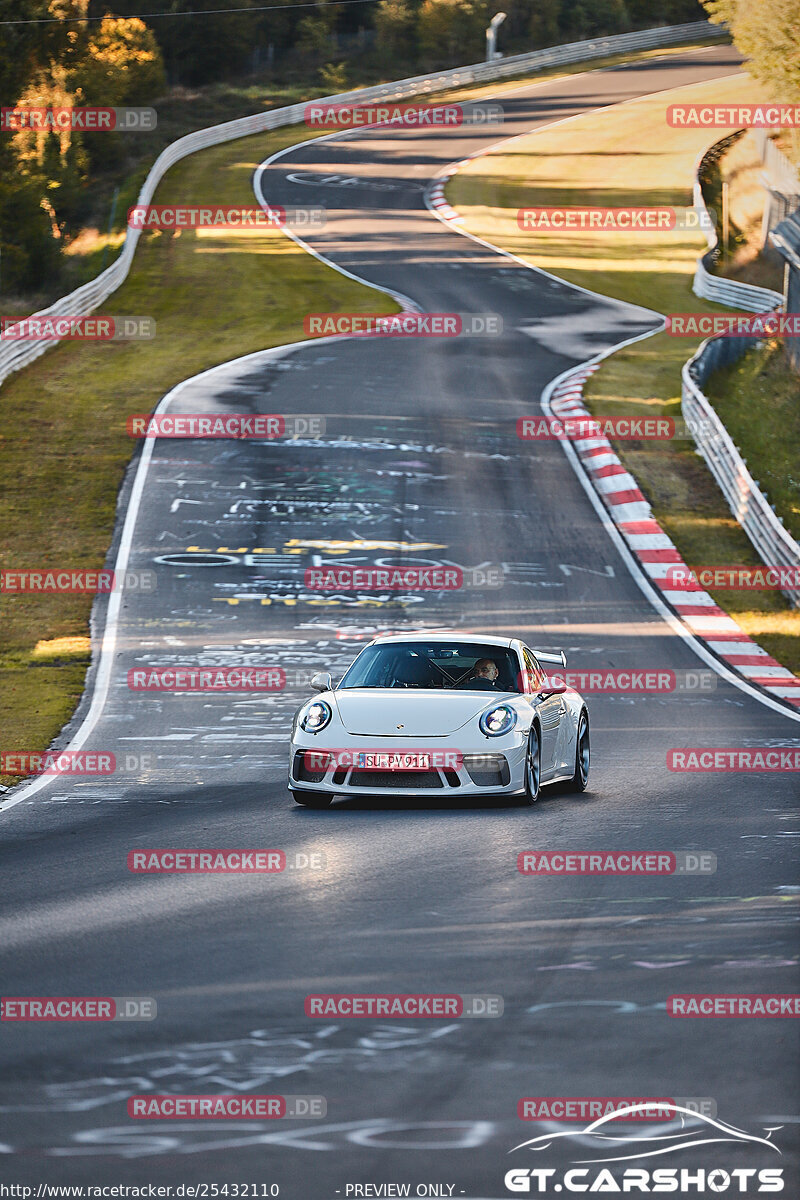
{"type": "Point", "coordinates": [373, 712]}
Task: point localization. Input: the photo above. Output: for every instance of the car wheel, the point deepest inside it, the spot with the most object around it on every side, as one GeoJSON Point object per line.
{"type": "Point", "coordinates": [582, 754]}
{"type": "Point", "coordinates": [533, 767]}
{"type": "Point", "coordinates": [311, 799]}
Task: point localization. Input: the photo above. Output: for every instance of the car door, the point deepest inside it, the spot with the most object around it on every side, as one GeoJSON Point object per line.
{"type": "Point", "coordinates": [550, 710]}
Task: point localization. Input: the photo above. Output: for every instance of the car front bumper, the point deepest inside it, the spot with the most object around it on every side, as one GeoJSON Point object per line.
{"type": "Point", "coordinates": [489, 766]}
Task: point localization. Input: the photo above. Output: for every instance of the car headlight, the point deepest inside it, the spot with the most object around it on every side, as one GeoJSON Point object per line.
{"type": "Point", "coordinates": [316, 716]}
{"type": "Point", "coordinates": [498, 720]}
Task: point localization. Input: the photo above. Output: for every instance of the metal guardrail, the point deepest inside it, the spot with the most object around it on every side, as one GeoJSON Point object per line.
{"type": "Point", "coordinates": [714, 287]}
{"type": "Point", "coordinates": [782, 171]}
{"type": "Point", "coordinates": [15, 355]}
{"type": "Point", "coordinates": [749, 505]}
{"type": "Point", "coordinates": [774, 544]}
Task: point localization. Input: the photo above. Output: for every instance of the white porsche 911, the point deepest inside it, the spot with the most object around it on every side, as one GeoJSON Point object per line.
{"type": "Point", "coordinates": [464, 715]}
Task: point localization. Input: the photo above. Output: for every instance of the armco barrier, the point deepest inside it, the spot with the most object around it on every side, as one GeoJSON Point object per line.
{"type": "Point", "coordinates": [774, 543]}
{"type": "Point", "coordinates": [15, 355]}
{"type": "Point", "coordinates": [714, 287]}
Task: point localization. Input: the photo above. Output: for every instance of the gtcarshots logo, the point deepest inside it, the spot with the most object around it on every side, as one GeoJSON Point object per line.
{"type": "Point", "coordinates": [613, 1138]}
{"type": "Point", "coordinates": [683, 1181]}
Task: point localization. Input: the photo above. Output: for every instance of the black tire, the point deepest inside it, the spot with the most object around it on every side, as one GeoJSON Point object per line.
{"type": "Point", "coordinates": [533, 767]}
{"type": "Point", "coordinates": [583, 754]}
{"type": "Point", "coordinates": [311, 799]}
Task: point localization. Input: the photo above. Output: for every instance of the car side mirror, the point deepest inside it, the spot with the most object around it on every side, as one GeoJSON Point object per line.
{"type": "Point", "coordinates": [553, 689]}
{"type": "Point", "coordinates": [322, 681]}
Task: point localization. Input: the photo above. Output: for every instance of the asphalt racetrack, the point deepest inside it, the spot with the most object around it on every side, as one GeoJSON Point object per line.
{"type": "Point", "coordinates": [419, 463]}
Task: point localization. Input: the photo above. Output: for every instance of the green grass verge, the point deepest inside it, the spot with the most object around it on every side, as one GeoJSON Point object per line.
{"type": "Point", "coordinates": [758, 400]}
{"type": "Point", "coordinates": [629, 156]}
{"type": "Point", "coordinates": [64, 447]}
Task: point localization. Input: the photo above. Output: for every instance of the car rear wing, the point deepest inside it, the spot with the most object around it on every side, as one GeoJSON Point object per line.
{"type": "Point", "coordinates": [545, 656]}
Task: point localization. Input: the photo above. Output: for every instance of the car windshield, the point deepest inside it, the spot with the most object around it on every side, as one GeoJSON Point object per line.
{"type": "Point", "coordinates": [462, 666]}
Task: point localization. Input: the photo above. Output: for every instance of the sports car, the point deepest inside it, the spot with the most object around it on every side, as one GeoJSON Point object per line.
{"type": "Point", "coordinates": [458, 715]}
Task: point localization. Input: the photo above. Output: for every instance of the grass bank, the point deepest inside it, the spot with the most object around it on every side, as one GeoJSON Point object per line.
{"type": "Point", "coordinates": [630, 156]}
{"type": "Point", "coordinates": [64, 448]}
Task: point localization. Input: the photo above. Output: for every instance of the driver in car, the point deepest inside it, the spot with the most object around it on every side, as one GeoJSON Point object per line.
{"type": "Point", "coordinates": [483, 676]}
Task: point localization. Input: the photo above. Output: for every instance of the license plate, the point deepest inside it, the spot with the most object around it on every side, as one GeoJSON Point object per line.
{"type": "Point", "coordinates": [393, 762]}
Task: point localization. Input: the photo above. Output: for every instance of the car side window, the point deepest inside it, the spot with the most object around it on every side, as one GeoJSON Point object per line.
{"type": "Point", "coordinates": [533, 671]}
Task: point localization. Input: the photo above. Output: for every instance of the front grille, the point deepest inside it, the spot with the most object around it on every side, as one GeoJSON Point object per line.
{"type": "Point", "coordinates": [487, 770]}
{"type": "Point", "coordinates": [303, 773]}
{"type": "Point", "coordinates": [396, 779]}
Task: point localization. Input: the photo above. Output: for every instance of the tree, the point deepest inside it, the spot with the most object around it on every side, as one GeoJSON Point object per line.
{"type": "Point", "coordinates": [452, 30]}
{"type": "Point", "coordinates": [768, 33]}
{"type": "Point", "coordinates": [543, 25]}
{"type": "Point", "coordinates": [198, 50]}
{"type": "Point", "coordinates": [122, 65]}
{"type": "Point", "coordinates": [395, 22]}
